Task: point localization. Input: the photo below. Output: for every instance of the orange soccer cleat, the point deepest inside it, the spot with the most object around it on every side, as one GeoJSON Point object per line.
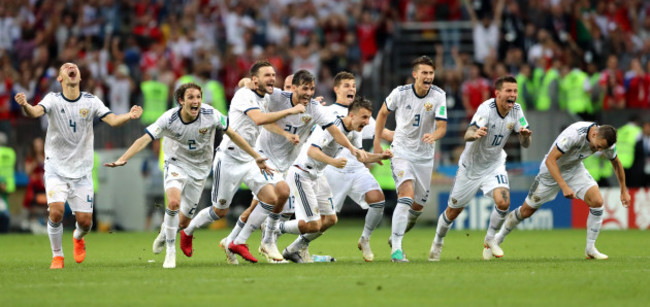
{"type": "Point", "coordinates": [79, 250]}
{"type": "Point", "coordinates": [57, 263]}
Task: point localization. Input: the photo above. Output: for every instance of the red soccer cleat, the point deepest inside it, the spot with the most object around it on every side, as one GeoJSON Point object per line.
{"type": "Point", "coordinates": [186, 244]}
{"type": "Point", "coordinates": [242, 250]}
{"type": "Point", "coordinates": [79, 250]}
{"type": "Point", "coordinates": [57, 263]}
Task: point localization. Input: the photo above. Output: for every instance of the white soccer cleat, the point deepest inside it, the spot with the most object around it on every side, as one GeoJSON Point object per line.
{"type": "Point", "coordinates": [593, 253]}
{"type": "Point", "coordinates": [304, 254]}
{"type": "Point", "coordinates": [230, 256]}
{"type": "Point", "coordinates": [487, 253]}
{"type": "Point", "coordinates": [434, 253]}
{"type": "Point", "coordinates": [270, 251]}
{"type": "Point", "coordinates": [159, 243]}
{"type": "Point", "coordinates": [170, 259]}
{"type": "Point", "coordinates": [364, 247]}
{"type": "Point", "coordinates": [492, 245]}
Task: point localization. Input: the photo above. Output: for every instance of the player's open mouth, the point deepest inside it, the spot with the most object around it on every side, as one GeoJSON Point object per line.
{"type": "Point", "coordinates": [72, 74]}
{"type": "Point", "coordinates": [194, 108]}
{"type": "Point", "coordinates": [350, 96]}
{"type": "Point", "coordinates": [428, 82]}
{"type": "Point", "coordinates": [511, 100]}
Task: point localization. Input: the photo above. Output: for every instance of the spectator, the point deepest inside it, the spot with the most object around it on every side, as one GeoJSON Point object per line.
{"type": "Point", "coordinates": [640, 170]}
{"type": "Point", "coordinates": [475, 90]}
{"type": "Point", "coordinates": [637, 85]}
{"type": "Point", "coordinates": [485, 31]}
{"type": "Point", "coordinates": [627, 137]}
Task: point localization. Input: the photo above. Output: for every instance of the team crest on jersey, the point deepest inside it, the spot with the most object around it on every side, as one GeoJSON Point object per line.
{"type": "Point", "coordinates": [400, 174]}
{"type": "Point", "coordinates": [222, 201]}
{"type": "Point", "coordinates": [536, 198]}
{"type": "Point", "coordinates": [428, 106]}
{"type": "Point", "coordinates": [84, 112]}
{"type": "Point", "coordinates": [203, 131]}
{"type": "Point", "coordinates": [454, 201]}
{"type": "Point", "coordinates": [174, 174]}
{"type": "Point", "coordinates": [306, 119]}
{"type": "Point", "coordinates": [50, 194]}
{"type": "Point", "coordinates": [509, 126]}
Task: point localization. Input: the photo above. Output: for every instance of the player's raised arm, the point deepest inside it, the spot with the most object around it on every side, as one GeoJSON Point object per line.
{"type": "Point", "coordinates": [620, 175]}
{"type": "Point", "coordinates": [30, 110]}
{"type": "Point", "coordinates": [275, 128]}
{"type": "Point", "coordinates": [554, 170]}
{"type": "Point", "coordinates": [241, 142]}
{"type": "Point", "coordinates": [135, 148]}
{"type": "Point", "coordinates": [380, 123]}
{"type": "Point", "coordinates": [261, 118]}
{"type": "Point", "coordinates": [340, 138]}
{"type": "Point", "coordinates": [118, 120]}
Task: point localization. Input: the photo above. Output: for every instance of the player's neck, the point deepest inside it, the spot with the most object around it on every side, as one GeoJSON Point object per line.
{"type": "Point", "coordinates": [502, 111]}
{"type": "Point", "coordinates": [342, 101]}
{"type": "Point", "coordinates": [347, 123]}
{"type": "Point", "coordinates": [71, 92]}
{"type": "Point", "coordinates": [421, 90]}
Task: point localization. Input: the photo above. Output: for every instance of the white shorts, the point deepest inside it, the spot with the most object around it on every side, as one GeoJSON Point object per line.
{"type": "Point", "coordinates": [419, 173]}
{"type": "Point", "coordinates": [229, 174]}
{"type": "Point", "coordinates": [77, 192]}
{"type": "Point", "coordinates": [355, 185]}
{"type": "Point", "coordinates": [545, 188]}
{"type": "Point", "coordinates": [191, 188]}
{"type": "Point", "coordinates": [465, 188]}
{"type": "Point", "coordinates": [311, 197]}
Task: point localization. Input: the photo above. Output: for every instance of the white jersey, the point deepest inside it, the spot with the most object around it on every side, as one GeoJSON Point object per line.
{"type": "Point", "coordinates": [482, 156]}
{"type": "Point", "coordinates": [367, 133]}
{"type": "Point", "coordinates": [189, 145]}
{"type": "Point", "coordinates": [325, 141]}
{"type": "Point", "coordinates": [244, 100]}
{"type": "Point", "coordinates": [69, 140]}
{"type": "Point", "coordinates": [277, 148]}
{"type": "Point", "coordinates": [415, 117]}
{"type": "Point", "coordinates": [573, 142]}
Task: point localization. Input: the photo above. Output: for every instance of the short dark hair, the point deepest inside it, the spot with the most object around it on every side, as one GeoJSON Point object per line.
{"type": "Point", "coordinates": [179, 94]}
{"type": "Point", "coordinates": [301, 77]}
{"type": "Point", "coordinates": [608, 133]}
{"type": "Point", "coordinates": [255, 68]}
{"type": "Point", "coordinates": [423, 60]}
{"type": "Point", "coordinates": [344, 75]}
{"type": "Point", "coordinates": [498, 84]}
{"type": "Point", "coordinates": [360, 102]}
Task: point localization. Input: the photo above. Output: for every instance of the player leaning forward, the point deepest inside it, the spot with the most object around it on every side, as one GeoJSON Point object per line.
{"type": "Point", "coordinates": [483, 163]}
{"type": "Point", "coordinates": [69, 155]}
{"type": "Point", "coordinates": [313, 197]}
{"type": "Point", "coordinates": [562, 169]}
{"type": "Point", "coordinates": [421, 117]}
{"type": "Point", "coordinates": [189, 137]}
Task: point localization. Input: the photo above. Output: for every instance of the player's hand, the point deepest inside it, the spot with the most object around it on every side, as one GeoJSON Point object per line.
{"type": "Point", "coordinates": [340, 162]}
{"type": "Point", "coordinates": [321, 100]}
{"type": "Point", "coordinates": [21, 99]}
{"type": "Point", "coordinates": [293, 138]}
{"type": "Point", "coordinates": [360, 154]}
{"type": "Point", "coordinates": [136, 112]}
{"type": "Point", "coordinates": [387, 154]}
{"type": "Point", "coordinates": [261, 163]}
{"type": "Point", "coordinates": [428, 138]}
{"type": "Point", "coordinates": [377, 149]}
{"type": "Point", "coordinates": [625, 198]}
{"type": "Point", "coordinates": [481, 132]}
{"type": "Point", "coordinates": [525, 132]}
{"type": "Point", "coordinates": [248, 83]}
{"type": "Point", "coordinates": [568, 193]}
{"type": "Point", "coordinates": [297, 109]}
{"type": "Point", "coordinates": [115, 164]}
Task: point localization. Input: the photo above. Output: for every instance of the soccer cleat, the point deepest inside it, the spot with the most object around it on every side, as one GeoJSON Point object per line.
{"type": "Point", "coordinates": [292, 256]}
{"type": "Point", "coordinates": [593, 253]}
{"type": "Point", "coordinates": [159, 243]}
{"type": "Point", "coordinates": [57, 263]}
{"type": "Point", "coordinates": [170, 259]}
{"type": "Point", "coordinates": [487, 253]}
{"type": "Point", "coordinates": [492, 245]}
{"type": "Point", "coordinates": [186, 243]}
{"type": "Point", "coordinates": [398, 256]}
{"type": "Point", "coordinates": [304, 254]}
{"type": "Point", "coordinates": [434, 253]}
{"type": "Point", "coordinates": [364, 247]}
{"type": "Point", "coordinates": [270, 251]}
{"type": "Point", "coordinates": [79, 250]}
{"type": "Point", "coordinates": [230, 257]}
{"type": "Point", "coordinates": [242, 250]}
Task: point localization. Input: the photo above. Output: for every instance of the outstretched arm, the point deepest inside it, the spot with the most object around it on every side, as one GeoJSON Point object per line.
{"type": "Point", "coordinates": [239, 141]}
{"type": "Point", "coordinates": [473, 133]}
{"type": "Point", "coordinates": [340, 138]}
{"type": "Point", "coordinates": [135, 148]}
{"type": "Point", "coordinates": [318, 155]}
{"type": "Point", "coordinates": [30, 110]}
{"type": "Point", "coordinates": [119, 120]}
{"type": "Point", "coordinates": [261, 118]}
{"type": "Point", "coordinates": [620, 175]}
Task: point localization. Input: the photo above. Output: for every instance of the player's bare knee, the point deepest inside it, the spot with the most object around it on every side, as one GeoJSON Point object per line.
{"type": "Point", "coordinates": [312, 227]}
{"type": "Point", "coordinates": [85, 223]}
{"type": "Point", "coordinates": [375, 197]}
{"type": "Point", "coordinates": [526, 211]}
{"type": "Point", "coordinates": [417, 207]}
{"type": "Point", "coordinates": [56, 216]}
{"type": "Point", "coordinates": [502, 204]}
{"type": "Point", "coordinates": [283, 192]}
{"type": "Point", "coordinates": [329, 221]}
{"type": "Point", "coordinates": [452, 213]}
{"type": "Point", "coordinates": [173, 204]}
{"type": "Point", "coordinates": [220, 212]}
{"type": "Point", "coordinates": [596, 203]}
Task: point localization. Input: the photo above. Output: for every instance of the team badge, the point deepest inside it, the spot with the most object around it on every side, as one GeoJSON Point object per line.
{"type": "Point", "coordinates": [174, 174]}
{"type": "Point", "coordinates": [454, 201]}
{"type": "Point", "coordinates": [203, 131]}
{"type": "Point", "coordinates": [50, 194]}
{"type": "Point", "coordinates": [84, 112]}
{"type": "Point", "coordinates": [536, 198]}
{"type": "Point", "coordinates": [400, 174]}
{"type": "Point", "coordinates": [428, 106]}
{"type": "Point", "coordinates": [509, 126]}
{"type": "Point", "coordinates": [306, 119]}
{"type": "Point", "coordinates": [222, 201]}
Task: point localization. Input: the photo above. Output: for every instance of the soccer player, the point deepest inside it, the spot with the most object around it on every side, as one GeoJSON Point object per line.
{"type": "Point", "coordinates": [309, 187]}
{"type": "Point", "coordinates": [562, 169]}
{"type": "Point", "coordinates": [355, 180]}
{"type": "Point", "coordinates": [189, 130]}
{"type": "Point", "coordinates": [483, 163]}
{"type": "Point", "coordinates": [421, 116]}
{"type": "Point", "coordinates": [69, 155]}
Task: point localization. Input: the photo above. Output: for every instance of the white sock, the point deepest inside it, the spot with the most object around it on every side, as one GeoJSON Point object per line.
{"type": "Point", "coordinates": [235, 230]}
{"type": "Point", "coordinates": [289, 227]}
{"type": "Point", "coordinates": [412, 218]}
{"type": "Point", "coordinates": [594, 222]}
{"type": "Point", "coordinates": [496, 220]}
{"type": "Point", "coordinates": [285, 217]}
{"type": "Point", "coordinates": [79, 232]}
{"type": "Point", "coordinates": [441, 230]}
{"type": "Point", "coordinates": [512, 220]}
{"type": "Point", "coordinates": [400, 219]}
{"type": "Point", "coordinates": [271, 224]}
{"type": "Point", "coordinates": [254, 221]}
{"type": "Point", "coordinates": [373, 218]}
{"type": "Point", "coordinates": [55, 232]}
{"type": "Point", "coordinates": [203, 218]}
{"type": "Point", "coordinates": [171, 227]}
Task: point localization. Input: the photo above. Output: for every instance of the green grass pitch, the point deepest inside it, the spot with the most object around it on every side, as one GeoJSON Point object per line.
{"type": "Point", "coordinates": [540, 268]}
